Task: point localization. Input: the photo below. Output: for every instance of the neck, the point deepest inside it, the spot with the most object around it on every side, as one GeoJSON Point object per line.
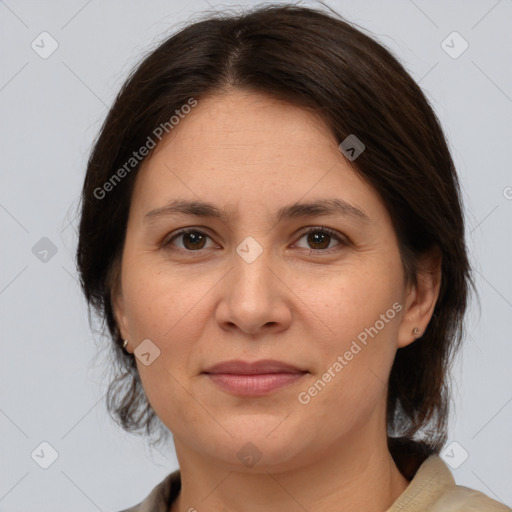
{"type": "Point", "coordinates": [356, 474]}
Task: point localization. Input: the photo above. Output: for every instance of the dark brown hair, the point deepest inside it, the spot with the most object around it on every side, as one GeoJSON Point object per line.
{"type": "Point", "coordinates": [319, 62]}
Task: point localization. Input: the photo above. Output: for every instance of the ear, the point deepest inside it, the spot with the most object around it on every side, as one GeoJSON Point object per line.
{"type": "Point", "coordinates": [421, 298]}
{"type": "Point", "coordinates": [118, 305]}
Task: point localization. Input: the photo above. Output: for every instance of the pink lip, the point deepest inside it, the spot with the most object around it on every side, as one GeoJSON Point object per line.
{"type": "Point", "coordinates": [253, 379]}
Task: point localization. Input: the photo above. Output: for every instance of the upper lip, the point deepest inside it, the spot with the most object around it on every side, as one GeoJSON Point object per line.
{"type": "Point", "coordinates": [238, 367]}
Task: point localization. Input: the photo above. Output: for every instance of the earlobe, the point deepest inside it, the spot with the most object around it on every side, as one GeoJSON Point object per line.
{"type": "Point", "coordinates": [117, 303]}
{"type": "Point", "coordinates": [421, 299]}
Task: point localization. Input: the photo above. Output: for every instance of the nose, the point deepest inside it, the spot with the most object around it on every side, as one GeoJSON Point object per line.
{"type": "Point", "coordinates": [254, 297]}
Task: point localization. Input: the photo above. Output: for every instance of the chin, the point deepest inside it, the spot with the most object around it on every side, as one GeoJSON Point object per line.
{"type": "Point", "coordinates": [259, 446]}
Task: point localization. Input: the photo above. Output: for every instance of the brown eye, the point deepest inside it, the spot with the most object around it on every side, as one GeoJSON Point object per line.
{"type": "Point", "coordinates": [319, 239]}
{"type": "Point", "coordinates": [192, 240]}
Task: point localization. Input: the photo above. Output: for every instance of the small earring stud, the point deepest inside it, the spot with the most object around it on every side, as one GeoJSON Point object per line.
{"type": "Point", "coordinates": [125, 343]}
{"type": "Point", "coordinates": [415, 331]}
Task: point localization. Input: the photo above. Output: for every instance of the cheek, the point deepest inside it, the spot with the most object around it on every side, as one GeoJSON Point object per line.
{"type": "Point", "coordinates": [158, 302]}
{"type": "Point", "coordinates": [169, 309]}
{"type": "Point", "coordinates": [352, 375]}
{"type": "Point", "coordinates": [353, 299]}
{"type": "Point", "coordinates": [362, 309]}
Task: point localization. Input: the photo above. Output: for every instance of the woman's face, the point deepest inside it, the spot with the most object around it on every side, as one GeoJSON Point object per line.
{"type": "Point", "coordinates": [320, 289]}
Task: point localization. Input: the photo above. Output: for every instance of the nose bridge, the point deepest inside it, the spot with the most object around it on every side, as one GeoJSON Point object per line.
{"type": "Point", "coordinates": [251, 297]}
{"type": "Point", "coordinates": [251, 274]}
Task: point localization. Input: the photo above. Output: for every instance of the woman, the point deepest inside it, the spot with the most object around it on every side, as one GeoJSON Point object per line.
{"type": "Point", "coordinates": [272, 230]}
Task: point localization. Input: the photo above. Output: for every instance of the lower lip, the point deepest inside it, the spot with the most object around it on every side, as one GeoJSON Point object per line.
{"type": "Point", "coordinates": [253, 385]}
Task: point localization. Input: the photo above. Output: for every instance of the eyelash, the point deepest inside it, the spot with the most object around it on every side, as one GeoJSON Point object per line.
{"type": "Point", "coordinates": [342, 242]}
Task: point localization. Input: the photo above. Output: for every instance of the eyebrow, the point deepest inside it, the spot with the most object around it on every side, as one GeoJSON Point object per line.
{"type": "Point", "coordinates": [322, 207]}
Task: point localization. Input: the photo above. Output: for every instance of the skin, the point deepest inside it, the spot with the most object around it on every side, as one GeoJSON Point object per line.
{"type": "Point", "coordinates": [201, 303]}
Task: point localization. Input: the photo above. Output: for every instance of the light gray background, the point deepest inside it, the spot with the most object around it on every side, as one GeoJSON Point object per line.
{"type": "Point", "coordinates": [51, 110]}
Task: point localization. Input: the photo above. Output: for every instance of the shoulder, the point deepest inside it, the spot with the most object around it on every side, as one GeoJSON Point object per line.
{"type": "Point", "coordinates": [433, 489]}
{"type": "Point", "coordinates": [161, 496]}
{"type": "Point", "coordinates": [461, 498]}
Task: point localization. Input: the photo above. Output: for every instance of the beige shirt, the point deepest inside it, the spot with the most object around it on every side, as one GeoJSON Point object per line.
{"type": "Point", "coordinates": [432, 489]}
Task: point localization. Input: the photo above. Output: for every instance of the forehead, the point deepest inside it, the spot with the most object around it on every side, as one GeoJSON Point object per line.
{"type": "Point", "coordinates": [242, 122]}
{"type": "Point", "coordinates": [247, 149]}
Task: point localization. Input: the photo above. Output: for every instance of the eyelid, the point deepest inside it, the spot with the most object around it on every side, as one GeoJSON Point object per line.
{"type": "Point", "coordinates": [341, 239]}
